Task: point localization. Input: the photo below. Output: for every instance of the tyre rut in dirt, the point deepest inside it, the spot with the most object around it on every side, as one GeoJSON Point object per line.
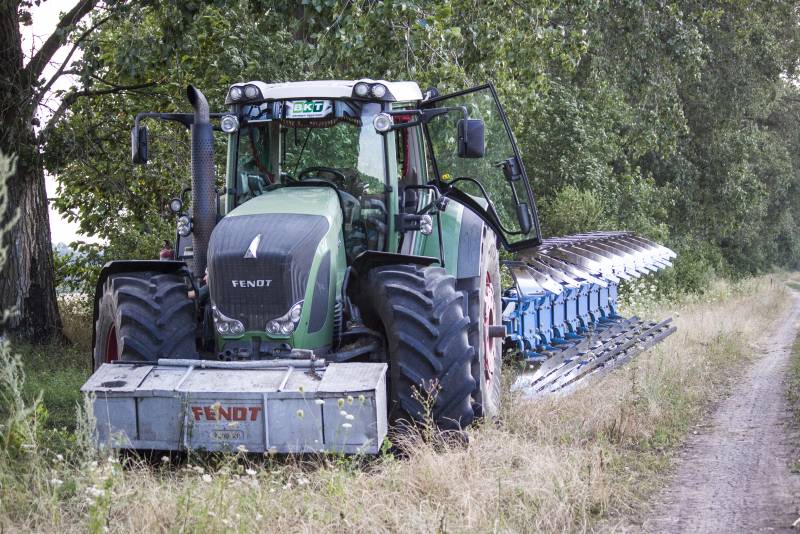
{"type": "Point", "coordinates": [485, 309]}
{"type": "Point", "coordinates": [144, 316]}
{"type": "Point", "coordinates": [426, 329]}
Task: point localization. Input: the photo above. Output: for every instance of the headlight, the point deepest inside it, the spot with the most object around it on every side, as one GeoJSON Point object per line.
{"type": "Point", "coordinates": [236, 93]}
{"type": "Point", "coordinates": [175, 205]}
{"type": "Point", "coordinates": [184, 225]}
{"type": "Point", "coordinates": [286, 323]}
{"type": "Point", "coordinates": [382, 122]}
{"type": "Point", "coordinates": [250, 91]}
{"type": "Point", "coordinates": [361, 89]}
{"type": "Point", "coordinates": [225, 326]}
{"type": "Point", "coordinates": [378, 90]}
{"type": "Point", "coordinates": [229, 124]}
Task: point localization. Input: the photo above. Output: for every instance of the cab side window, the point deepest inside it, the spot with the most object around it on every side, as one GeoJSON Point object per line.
{"type": "Point", "coordinates": [255, 171]}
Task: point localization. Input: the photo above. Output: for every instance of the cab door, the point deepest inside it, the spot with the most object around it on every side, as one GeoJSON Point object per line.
{"type": "Point", "coordinates": [495, 186]}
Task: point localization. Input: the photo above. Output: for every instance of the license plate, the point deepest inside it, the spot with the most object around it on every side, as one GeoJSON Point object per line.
{"type": "Point", "coordinates": [227, 435]}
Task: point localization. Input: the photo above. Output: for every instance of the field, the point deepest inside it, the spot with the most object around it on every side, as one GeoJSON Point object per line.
{"type": "Point", "coordinates": [585, 462]}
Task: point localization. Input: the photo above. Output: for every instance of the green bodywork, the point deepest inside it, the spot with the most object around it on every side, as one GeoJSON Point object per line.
{"type": "Point", "coordinates": [310, 201]}
{"type": "Point", "coordinates": [325, 202]}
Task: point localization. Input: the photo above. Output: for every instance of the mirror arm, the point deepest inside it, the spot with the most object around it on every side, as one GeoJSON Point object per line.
{"type": "Point", "coordinates": [184, 118]}
{"type": "Point", "coordinates": [425, 115]}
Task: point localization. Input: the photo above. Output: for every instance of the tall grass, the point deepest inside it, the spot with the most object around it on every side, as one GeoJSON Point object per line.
{"type": "Point", "coordinates": [577, 463]}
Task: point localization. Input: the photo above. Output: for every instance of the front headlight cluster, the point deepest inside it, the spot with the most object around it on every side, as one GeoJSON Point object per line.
{"type": "Point", "coordinates": [374, 90]}
{"type": "Point", "coordinates": [243, 93]}
{"type": "Point", "coordinates": [225, 326]}
{"type": "Point", "coordinates": [286, 323]}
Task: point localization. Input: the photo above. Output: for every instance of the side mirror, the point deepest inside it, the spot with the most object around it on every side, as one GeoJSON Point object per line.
{"type": "Point", "coordinates": [471, 139]}
{"type": "Point", "coordinates": [139, 144]}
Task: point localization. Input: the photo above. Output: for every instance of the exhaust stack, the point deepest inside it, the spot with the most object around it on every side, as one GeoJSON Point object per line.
{"type": "Point", "coordinates": [204, 202]}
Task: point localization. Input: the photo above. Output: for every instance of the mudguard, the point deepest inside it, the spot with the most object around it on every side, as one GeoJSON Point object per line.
{"type": "Point", "coordinates": [129, 266]}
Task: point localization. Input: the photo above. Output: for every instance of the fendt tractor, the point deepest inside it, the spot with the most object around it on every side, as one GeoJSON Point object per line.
{"type": "Point", "coordinates": [345, 277]}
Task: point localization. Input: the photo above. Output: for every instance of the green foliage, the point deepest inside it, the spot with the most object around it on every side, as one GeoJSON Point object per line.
{"type": "Point", "coordinates": [675, 119]}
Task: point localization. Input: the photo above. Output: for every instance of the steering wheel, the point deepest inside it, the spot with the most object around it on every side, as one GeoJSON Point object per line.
{"type": "Point", "coordinates": [329, 170]}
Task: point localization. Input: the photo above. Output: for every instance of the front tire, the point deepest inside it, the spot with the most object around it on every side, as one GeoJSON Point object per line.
{"type": "Point", "coordinates": [426, 329]}
{"type": "Point", "coordinates": [144, 316]}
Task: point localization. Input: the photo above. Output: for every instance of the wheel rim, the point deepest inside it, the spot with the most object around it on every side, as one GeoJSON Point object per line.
{"type": "Point", "coordinates": [112, 352]}
{"type": "Point", "coordinates": [489, 345]}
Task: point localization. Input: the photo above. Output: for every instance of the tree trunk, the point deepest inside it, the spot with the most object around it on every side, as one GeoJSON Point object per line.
{"type": "Point", "coordinates": [26, 280]}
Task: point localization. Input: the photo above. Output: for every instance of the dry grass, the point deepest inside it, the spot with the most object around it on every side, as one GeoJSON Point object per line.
{"type": "Point", "coordinates": [76, 315]}
{"type": "Point", "coordinates": [574, 464]}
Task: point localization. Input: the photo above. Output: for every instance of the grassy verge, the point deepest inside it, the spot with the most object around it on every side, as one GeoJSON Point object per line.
{"type": "Point", "coordinates": [572, 464]}
{"type": "Point", "coordinates": [794, 387]}
{"type": "Point", "coordinates": [56, 372]}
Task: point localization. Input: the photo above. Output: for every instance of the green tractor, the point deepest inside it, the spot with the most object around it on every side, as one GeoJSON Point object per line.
{"type": "Point", "coordinates": [343, 276]}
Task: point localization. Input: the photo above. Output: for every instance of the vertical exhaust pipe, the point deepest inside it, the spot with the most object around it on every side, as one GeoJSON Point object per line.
{"type": "Point", "coordinates": [204, 202]}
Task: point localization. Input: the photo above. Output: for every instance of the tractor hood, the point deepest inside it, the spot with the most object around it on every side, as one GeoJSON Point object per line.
{"type": "Point", "coordinates": [274, 252]}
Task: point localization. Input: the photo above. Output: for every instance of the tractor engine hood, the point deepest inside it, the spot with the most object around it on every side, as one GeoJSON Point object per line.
{"type": "Point", "coordinates": [274, 252]}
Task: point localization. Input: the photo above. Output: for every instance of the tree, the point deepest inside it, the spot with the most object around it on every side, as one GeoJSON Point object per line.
{"type": "Point", "coordinates": [26, 281]}
{"type": "Point", "coordinates": [27, 278]}
{"type": "Point", "coordinates": [676, 119]}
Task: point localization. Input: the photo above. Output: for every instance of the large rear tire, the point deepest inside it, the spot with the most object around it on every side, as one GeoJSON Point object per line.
{"type": "Point", "coordinates": [485, 310]}
{"type": "Point", "coordinates": [429, 355]}
{"type": "Point", "coordinates": [144, 316]}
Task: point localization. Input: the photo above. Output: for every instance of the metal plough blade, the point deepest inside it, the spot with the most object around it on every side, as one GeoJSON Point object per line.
{"type": "Point", "coordinates": [614, 344]}
{"type": "Point", "coordinates": [562, 310]}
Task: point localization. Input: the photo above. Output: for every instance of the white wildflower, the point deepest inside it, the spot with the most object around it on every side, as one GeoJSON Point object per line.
{"type": "Point", "coordinates": [347, 425]}
{"type": "Point", "coordinates": [165, 459]}
{"type": "Point", "coordinates": [241, 448]}
{"type": "Point", "coordinates": [251, 472]}
{"type": "Point", "coordinates": [56, 482]}
{"type": "Point", "coordinates": [343, 413]}
{"type": "Point", "coordinates": [206, 478]}
{"type": "Point", "coordinates": [349, 417]}
{"type": "Point", "coordinates": [319, 402]}
{"type": "Point", "coordinates": [60, 457]}
{"type": "Point", "coordinates": [95, 492]}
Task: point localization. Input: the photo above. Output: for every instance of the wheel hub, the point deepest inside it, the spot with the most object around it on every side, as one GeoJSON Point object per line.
{"type": "Point", "coordinates": [489, 344]}
{"type": "Point", "coordinates": [112, 351]}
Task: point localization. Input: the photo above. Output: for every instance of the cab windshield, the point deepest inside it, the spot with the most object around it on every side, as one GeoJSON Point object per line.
{"type": "Point", "coordinates": [334, 142]}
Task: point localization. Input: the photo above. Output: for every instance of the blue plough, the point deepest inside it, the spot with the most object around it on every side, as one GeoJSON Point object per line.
{"type": "Point", "coordinates": [561, 315]}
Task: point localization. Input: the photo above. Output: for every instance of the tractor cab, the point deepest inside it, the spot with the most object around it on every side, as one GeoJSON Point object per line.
{"type": "Point", "coordinates": [386, 148]}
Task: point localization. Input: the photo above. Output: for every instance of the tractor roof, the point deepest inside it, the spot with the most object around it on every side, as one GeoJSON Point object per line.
{"type": "Point", "coordinates": [401, 91]}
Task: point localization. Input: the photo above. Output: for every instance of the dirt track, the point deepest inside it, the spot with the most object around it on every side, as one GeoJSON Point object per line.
{"type": "Point", "coordinates": [734, 475]}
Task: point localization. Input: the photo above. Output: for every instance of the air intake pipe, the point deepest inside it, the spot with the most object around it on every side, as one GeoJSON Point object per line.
{"type": "Point", "coordinates": [204, 195]}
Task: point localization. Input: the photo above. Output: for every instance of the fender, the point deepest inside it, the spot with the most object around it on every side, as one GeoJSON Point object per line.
{"type": "Point", "coordinates": [469, 245]}
{"type": "Point", "coordinates": [369, 259]}
{"type": "Point", "coordinates": [129, 266]}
